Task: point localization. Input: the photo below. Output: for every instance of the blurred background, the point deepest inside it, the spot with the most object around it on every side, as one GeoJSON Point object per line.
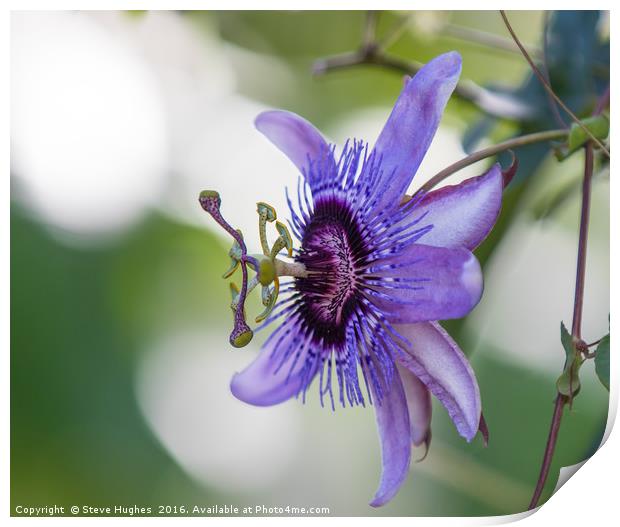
{"type": "Point", "coordinates": [120, 362]}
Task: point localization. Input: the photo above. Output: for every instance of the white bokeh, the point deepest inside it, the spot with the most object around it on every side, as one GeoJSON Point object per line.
{"type": "Point", "coordinates": [88, 132]}
{"type": "Point", "coordinates": [232, 157]}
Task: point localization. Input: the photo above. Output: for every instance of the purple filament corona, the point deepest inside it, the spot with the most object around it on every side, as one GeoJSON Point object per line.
{"type": "Point", "coordinates": [331, 316]}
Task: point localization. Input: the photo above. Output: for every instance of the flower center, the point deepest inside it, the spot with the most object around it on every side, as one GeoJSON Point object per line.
{"type": "Point", "coordinates": [329, 254]}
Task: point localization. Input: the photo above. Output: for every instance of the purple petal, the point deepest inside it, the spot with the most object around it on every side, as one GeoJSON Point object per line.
{"type": "Point", "coordinates": [419, 405]}
{"type": "Point", "coordinates": [462, 215]}
{"type": "Point", "coordinates": [412, 124]}
{"type": "Point", "coordinates": [293, 135]}
{"type": "Point", "coordinates": [427, 283]}
{"type": "Point", "coordinates": [439, 363]}
{"type": "Point", "coordinates": [276, 374]}
{"type": "Point", "coordinates": [395, 433]}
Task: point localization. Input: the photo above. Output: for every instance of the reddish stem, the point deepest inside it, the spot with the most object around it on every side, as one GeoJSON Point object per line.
{"type": "Point", "coordinates": [561, 400]}
{"type": "Point", "coordinates": [583, 242]}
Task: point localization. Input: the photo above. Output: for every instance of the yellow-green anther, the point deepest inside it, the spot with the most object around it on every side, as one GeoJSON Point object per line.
{"type": "Point", "coordinates": [277, 247]}
{"type": "Point", "coordinates": [271, 301]}
{"type": "Point", "coordinates": [233, 267]}
{"type": "Point", "coordinates": [284, 241]}
{"type": "Point", "coordinates": [235, 254]}
{"type": "Point", "coordinates": [286, 237]}
{"type": "Point", "coordinates": [266, 213]}
{"type": "Point", "coordinates": [266, 295]}
{"type": "Point", "coordinates": [267, 310]}
{"type": "Point", "coordinates": [268, 210]}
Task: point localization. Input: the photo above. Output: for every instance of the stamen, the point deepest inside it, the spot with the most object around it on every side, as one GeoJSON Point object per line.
{"type": "Point", "coordinates": [284, 241]}
{"type": "Point", "coordinates": [269, 297]}
{"type": "Point", "coordinates": [266, 266]}
{"type": "Point", "coordinates": [235, 254]}
{"type": "Point", "coordinates": [266, 213]}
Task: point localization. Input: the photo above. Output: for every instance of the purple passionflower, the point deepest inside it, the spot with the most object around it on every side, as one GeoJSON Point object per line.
{"type": "Point", "coordinates": [379, 272]}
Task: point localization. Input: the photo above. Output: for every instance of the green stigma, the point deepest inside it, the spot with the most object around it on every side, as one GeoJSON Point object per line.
{"type": "Point", "coordinates": [243, 339]}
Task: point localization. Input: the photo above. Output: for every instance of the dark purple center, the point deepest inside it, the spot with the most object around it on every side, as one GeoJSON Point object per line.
{"type": "Point", "coordinates": [331, 253]}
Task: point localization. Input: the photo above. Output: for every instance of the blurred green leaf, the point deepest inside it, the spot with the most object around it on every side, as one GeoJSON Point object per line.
{"type": "Point", "coordinates": [546, 205]}
{"type": "Point", "coordinates": [77, 433]}
{"type": "Point", "coordinates": [135, 13]}
{"type": "Point", "coordinates": [601, 361]}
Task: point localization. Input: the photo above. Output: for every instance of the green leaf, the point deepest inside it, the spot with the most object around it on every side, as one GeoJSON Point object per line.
{"type": "Point", "coordinates": [598, 125]}
{"type": "Point", "coordinates": [567, 342]}
{"type": "Point", "coordinates": [568, 383]}
{"type": "Point", "coordinates": [601, 361]}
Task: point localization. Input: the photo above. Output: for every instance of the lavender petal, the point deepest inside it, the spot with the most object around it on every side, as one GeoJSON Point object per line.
{"type": "Point", "coordinates": [419, 405]}
{"type": "Point", "coordinates": [276, 374]}
{"type": "Point", "coordinates": [437, 361]}
{"type": "Point", "coordinates": [412, 124]}
{"type": "Point", "coordinates": [298, 139]}
{"type": "Point", "coordinates": [425, 283]}
{"type": "Point", "coordinates": [462, 215]}
{"type": "Point", "coordinates": [395, 433]}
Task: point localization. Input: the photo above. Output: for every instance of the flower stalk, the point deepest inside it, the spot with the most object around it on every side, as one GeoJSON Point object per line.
{"type": "Point", "coordinates": [515, 142]}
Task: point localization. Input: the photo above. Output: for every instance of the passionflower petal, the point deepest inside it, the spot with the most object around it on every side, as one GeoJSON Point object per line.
{"type": "Point", "coordinates": [463, 215]}
{"type": "Point", "coordinates": [412, 124]}
{"type": "Point", "coordinates": [434, 358]}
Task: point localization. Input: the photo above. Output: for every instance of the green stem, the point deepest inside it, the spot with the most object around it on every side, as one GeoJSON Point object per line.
{"type": "Point", "coordinates": [516, 142]}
